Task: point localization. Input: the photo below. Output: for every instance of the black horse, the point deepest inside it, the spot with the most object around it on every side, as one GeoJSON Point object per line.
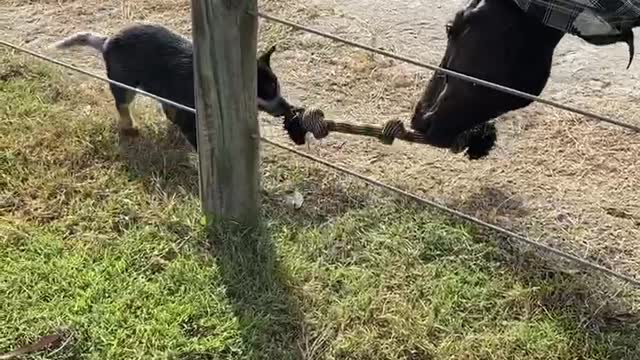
{"type": "Point", "coordinates": [511, 43]}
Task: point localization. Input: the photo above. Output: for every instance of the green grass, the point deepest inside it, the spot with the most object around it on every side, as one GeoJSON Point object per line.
{"type": "Point", "coordinates": [105, 241]}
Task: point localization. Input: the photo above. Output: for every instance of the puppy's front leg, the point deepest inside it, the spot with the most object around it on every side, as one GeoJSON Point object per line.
{"type": "Point", "coordinates": [125, 122]}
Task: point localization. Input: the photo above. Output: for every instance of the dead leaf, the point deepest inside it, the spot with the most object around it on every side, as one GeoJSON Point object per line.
{"type": "Point", "coordinates": [42, 344]}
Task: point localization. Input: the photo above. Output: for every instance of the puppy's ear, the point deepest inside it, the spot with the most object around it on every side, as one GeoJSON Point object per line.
{"type": "Point", "coordinates": [266, 57]}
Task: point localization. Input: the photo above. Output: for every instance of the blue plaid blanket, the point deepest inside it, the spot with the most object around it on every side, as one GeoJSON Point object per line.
{"type": "Point", "coordinates": [600, 22]}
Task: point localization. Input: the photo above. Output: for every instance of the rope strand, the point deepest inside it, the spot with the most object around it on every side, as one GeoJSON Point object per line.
{"type": "Point", "coordinates": [478, 141]}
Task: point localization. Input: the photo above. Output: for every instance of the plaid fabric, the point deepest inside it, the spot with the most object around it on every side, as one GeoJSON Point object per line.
{"type": "Point", "coordinates": [585, 18]}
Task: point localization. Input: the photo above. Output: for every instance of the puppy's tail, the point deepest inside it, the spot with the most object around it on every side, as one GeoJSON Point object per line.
{"type": "Point", "coordinates": [95, 41]}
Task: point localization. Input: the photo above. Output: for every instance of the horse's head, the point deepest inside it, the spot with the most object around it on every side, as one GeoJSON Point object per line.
{"type": "Point", "coordinates": [491, 40]}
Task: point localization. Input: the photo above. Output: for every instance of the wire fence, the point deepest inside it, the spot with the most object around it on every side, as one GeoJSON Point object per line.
{"type": "Point", "coordinates": [421, 200]}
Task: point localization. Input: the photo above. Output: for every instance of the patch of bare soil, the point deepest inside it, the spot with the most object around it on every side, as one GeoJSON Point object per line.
{"type": "Point", "coordinates": [557, 177]}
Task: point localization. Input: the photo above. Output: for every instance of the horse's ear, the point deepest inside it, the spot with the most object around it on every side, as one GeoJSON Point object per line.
{"type": "Point", "coordinates": [266, 57]}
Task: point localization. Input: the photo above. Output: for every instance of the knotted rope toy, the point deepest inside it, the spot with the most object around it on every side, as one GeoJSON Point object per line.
{"type": "Point", "coordinates": [478, 141]}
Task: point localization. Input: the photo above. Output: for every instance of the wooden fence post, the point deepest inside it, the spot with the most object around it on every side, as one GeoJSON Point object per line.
{"type": "Point", "coordinates": [225, 41]}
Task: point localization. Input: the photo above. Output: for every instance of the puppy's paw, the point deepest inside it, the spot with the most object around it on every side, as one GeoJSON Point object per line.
{"type": "Point", "coordinates": [130, 132]}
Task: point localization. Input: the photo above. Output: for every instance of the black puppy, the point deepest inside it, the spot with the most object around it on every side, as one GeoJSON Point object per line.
{"type": "Point", "coordinates": [153, 58]}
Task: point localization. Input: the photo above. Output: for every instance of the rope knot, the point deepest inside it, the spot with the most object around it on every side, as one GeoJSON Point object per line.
{"type": "Point", "coordinates": [313, 121]}
{"type": "Point", "coordinates": [393, 129]}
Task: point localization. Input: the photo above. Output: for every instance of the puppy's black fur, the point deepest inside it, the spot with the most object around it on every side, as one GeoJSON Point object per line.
{"type": "Point", "coordinates": [153, 58]}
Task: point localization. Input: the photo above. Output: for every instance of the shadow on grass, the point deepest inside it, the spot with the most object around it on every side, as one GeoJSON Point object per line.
{"type": "Point", "coordinates": [257, 286]}
{"type": "Point", "coordinates": [600, 305]}
{"type": "Point", "coordinates": [261, 293]}
{"type": "Point", "coordinates": [167, 165]}
{"type": "Point", "coordinates": [603, 310]}
{"type": "Point", "coordinates": [264, 299]}
{"type": "Point", "coordinates": [164, 162]}
{"type": "Point", "coordinates": [260, 290]}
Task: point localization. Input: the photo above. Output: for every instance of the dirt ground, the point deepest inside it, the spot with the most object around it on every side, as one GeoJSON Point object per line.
{"type": "Point", "coordinates": [561, 179]}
